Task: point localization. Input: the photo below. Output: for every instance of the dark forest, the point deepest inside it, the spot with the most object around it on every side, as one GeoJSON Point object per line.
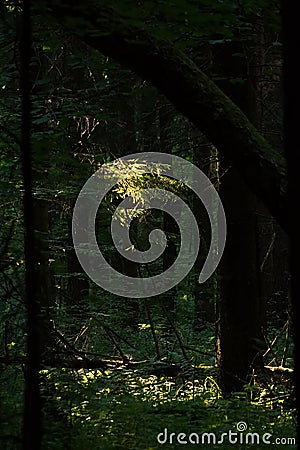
{"type": "Point", "coordinates": [121, 363]}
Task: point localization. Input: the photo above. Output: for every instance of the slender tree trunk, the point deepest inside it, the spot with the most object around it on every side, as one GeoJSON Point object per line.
{"type": "Point", "coordinates": [32, 424]}
{"type": "Point", "coordinates": [77, 295]}
{"type": "Point", "coordinates": [166, 115]}
{"type": "Point", "coordinates": [127, 144]}
{"type": "Point", "coordinates": [204, 293]}
{"type": "Point", "coordinates": [40, 216]}
{"type": "Point", "coordinates": [42, 275]}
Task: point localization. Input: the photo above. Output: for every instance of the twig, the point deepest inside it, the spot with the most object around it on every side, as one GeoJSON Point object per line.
{"type": "Point", "coordinates": [286, 346]}
{"type": "Point", "coordinates": [270, 345]}
{"type": "Point", "coordinates": [181, 344]}
{"type": "Point", "coordinates": [121, 338]}
{"type": "Point", "coordinates": [268, 252]}
{"type": "Point", "coordinates": [198, 351]}
{"type": "Point", "coordinates": [157, 349]}
{"type": "Point", "coordinates": [115, 343]}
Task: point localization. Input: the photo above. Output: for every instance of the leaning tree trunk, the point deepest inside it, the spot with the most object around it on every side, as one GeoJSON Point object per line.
{"type": "Point", "coordinates": [190, 91]}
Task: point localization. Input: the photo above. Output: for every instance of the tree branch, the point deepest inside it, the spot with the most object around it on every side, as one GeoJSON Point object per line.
{"type": "Point", "coordinates": [188, 88]}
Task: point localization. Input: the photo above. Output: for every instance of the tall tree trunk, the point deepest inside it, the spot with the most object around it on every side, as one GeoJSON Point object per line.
{"type": "Point", "coordinates": [239, 308]}
{"type": "Point", "coordinates": [32, 423]}
{"type": "Point", "coordinates": [291, 129]}
{"type": "Point", "coordinates": [241, 314]}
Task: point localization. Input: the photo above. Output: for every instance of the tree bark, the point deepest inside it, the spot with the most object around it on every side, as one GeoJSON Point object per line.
{"type": "Point", "coordinates": [241, 312]}
{"type": "Point", "coordinates": [240, 309]}
{"type": "Point", "coordinates": [190, 91]}
{"type": "Point", "coordinates": [291, 131]}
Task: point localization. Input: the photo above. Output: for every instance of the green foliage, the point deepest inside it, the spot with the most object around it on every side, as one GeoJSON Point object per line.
{"type": "Point", "coordinates": [125, 409]}
{"type": "Point", "coordinates": [205, 19]}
